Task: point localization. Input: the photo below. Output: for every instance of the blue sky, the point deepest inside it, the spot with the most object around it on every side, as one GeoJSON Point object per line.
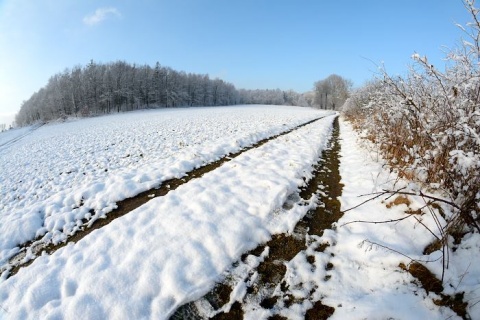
{"type": "Point", "coordinates": [251, 43]}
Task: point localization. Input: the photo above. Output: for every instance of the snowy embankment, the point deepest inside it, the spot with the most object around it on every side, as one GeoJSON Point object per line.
{"type": "Point", "coordinates": [367, 281]}
{"type": "Point", "coordinates": [63, 173]}
{"type": "Point", "coordinates": [172, 250]}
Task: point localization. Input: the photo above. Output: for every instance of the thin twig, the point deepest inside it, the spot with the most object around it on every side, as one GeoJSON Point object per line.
{"type": "Point", "coordinates": [400, 253]}
{"type": "Point", "coordinates": [377, 196]}
{"type": "Point", "coordinates": [419, 221]}
{"type": "Point", "coordinates": [421, 194]}
{"type": "Point", "coordinates": [394, 193]}
{"type": "Point", "coordinates": [444, 241]}
{"type": "Point", "coordinates": [377, 222]}
{"type": "Point", "coordinates": [463, 276]}
{"type": "Point", "coordinates": [6, 311]}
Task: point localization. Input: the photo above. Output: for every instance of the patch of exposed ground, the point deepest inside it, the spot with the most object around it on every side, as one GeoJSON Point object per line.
{"type": "Point", "coordinates": [30, 250]}
{"type": "Point", "coordinates": [424, 277]}
{"type": "Point", "coordinates": [265, 282]}
{"type": "Point", "coordinates": [427, 280]}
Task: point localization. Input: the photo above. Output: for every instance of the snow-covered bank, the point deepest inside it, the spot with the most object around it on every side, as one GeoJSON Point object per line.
{"type": "Point", "coordinates": [171, 250]}
{"type": "Point", "coordinates": [367, 281]}
{"type": "Point", "coordinates": [62, 173]}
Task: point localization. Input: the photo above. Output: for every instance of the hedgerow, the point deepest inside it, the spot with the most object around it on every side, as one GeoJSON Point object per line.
{"type": "Point", "coordinates": [427, 124]}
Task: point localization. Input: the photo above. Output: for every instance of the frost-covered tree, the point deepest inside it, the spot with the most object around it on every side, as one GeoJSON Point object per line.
{"type": "Point", "coordinates": [357, 106]}
{"type": "Point", "coordinates": [331, 93]}
{"type": "Point", "coordinates": [119, 86]}
{"type": "Point", "coordinates": [273, 97]}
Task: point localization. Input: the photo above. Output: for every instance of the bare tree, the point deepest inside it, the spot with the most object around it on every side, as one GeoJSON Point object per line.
{"type": "Point", "coordinates": [332, 92]}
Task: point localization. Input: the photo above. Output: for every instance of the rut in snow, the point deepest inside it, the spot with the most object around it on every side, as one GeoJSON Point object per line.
{"type": "Point", "coordinates": [266, 285]}
{"type": "Point", "coordinates": [37, 247]}
{"type": "Point", "coordinates": [11, 142]}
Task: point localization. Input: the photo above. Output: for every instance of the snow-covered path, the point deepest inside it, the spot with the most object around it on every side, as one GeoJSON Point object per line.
{"type": "Point", "coordinates": [171, 250]}
{"type": "Point", "coordinates": [329, 267]}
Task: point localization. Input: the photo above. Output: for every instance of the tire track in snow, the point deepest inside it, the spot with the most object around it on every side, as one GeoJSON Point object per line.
{"type": "Point", "coordinates": [32, 249]}
{"type": "Point", "coordinates": [7, 144]}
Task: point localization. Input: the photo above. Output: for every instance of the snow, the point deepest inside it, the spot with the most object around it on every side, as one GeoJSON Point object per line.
{"type": "Point", "coordinates": [173, 249]}
{"type": "Point", "coordinates": [11, 136]}
{"type": "Point", "coordinates": [366, 279]}
{"type": "Point", "coordinates": [358, 273]}
{"type": "Point", "coordinates": [53, 176]}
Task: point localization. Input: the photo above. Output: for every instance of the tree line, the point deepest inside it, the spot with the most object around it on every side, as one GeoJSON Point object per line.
{"type": "Point", "coordinates": [99, 88]}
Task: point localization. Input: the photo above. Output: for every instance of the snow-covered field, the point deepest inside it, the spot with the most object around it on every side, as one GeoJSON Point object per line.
{"type": "Point", "coordinates": [171, 250]}
{"type": "Point", "coordinates": [174, 248]}
{"type": "Point", "coordinates": [358, 272]}
{"type": "Point", "coordinates": [59, 174]}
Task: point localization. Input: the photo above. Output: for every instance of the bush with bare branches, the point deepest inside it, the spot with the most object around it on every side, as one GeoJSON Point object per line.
{"type": "Point", "coordinates": [427, 124]}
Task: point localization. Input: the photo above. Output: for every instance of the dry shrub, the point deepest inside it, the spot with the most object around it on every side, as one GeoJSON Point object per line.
{"type": "Point", "coordinates": [427, 124]}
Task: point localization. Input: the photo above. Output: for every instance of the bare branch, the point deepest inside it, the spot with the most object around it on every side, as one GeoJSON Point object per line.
{"type": "Point", "coordinates": [421, 194]}
{"type": "Point", "coordinates": [376, 222]}
{"type": "Point", "coordinates": [400, 253]}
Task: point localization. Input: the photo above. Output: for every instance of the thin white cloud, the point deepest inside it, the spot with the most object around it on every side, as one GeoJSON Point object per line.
{"type": "Point", "coordinates": [100, 15]}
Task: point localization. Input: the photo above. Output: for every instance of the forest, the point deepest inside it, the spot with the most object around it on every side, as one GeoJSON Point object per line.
{"type": "Point", "coordinates": [99, 88]}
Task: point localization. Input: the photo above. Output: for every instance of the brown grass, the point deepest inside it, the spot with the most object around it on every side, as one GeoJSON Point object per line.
{"type": "Point", "coordinates": [398, 201]}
